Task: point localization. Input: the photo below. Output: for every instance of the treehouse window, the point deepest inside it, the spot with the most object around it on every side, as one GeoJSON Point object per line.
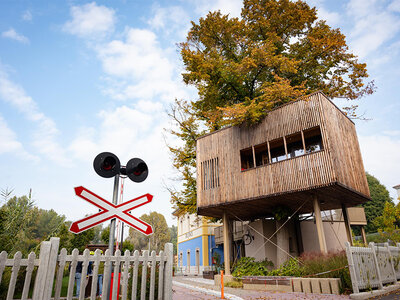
{"type": "Point", "coordinates": [246, 159]}
{"type": "Point", "coordinates": [210, 172]}
{"type": "Point", "coordinates": [261, 152]}
{"type": "Point", "coordinates": [277, 149]}
{"type": "Point", "coordinates": [313, 140]}
{"type": "Point", "coordinates": [294, 145]}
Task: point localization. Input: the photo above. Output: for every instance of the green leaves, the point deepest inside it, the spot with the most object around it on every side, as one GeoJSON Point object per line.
{"type": "Point", "coordinates": [243, 68]}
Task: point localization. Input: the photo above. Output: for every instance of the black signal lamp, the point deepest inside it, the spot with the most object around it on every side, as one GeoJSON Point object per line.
{"type": "Point", "coordinates": [106, 164]}
{"type": "Point", "coordinates": [136, 170]}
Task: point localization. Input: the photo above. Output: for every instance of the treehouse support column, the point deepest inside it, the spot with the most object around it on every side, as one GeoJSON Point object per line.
{"type": "Point", "coordinates": [282, 242]}
{"type": "Point", "coordinates": [347, 224]}
{"type": "Point", "coordinates": [364, 237]}
{"type": "Point", "coordinates": [227, 244]}
{"type": "Point", "coordinates": [318, 223]}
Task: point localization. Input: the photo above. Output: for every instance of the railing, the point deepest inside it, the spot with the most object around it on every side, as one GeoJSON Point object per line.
{"type": "Point", "coordinates": [373, 266]}
{"type": "Point", "coordinates": [51, 268]}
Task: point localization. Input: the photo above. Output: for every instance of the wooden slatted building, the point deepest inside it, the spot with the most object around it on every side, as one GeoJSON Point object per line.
{"type": "Point", "coordinates": [303, 154]}
{"type": "Point", "coordinates": [304, 148]}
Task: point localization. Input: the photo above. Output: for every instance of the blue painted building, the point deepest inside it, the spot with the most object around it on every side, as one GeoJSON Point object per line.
{"type": "Point", "coordinates": [196, 244]}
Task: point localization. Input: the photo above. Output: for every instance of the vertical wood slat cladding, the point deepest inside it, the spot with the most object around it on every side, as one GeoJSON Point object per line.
{"type": "Point", "coordinates": [340, 160]}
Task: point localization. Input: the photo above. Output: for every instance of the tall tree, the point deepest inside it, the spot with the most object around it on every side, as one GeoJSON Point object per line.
{"type": "Point", "coordinates": [374, 208]}
{"type": "Point", "coordinates": [388, 222]}
{"type": "Point", "coordinates": [243, 68]}
{"type": "Point", "coordinates": [157, 240]}
{"type": "Point", "coordinates": [174, 237]}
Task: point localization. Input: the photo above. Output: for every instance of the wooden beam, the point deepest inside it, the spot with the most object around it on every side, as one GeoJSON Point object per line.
{"type": "Point", "coordinates": [347, 224]}
{"type": "Point", "coordinates": [364, 237]}
{"type": "Point", "coordinates": [318, 223]}
{"type": "Point", "coordinates": [227, 244]}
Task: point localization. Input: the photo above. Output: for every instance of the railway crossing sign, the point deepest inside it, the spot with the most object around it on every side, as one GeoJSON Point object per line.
{"type": "Point", "coordinates": [109, 211]}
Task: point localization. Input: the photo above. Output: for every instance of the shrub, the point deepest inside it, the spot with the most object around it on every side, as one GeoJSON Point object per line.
{"type": "Point", "coordinates": [314, 263]}
{"type": "Point", "coordinates": [247, 266]}
{"type": "Point", "coordinates": [289, 268]}
{"type": "Point", "coordinates": [234, 284]}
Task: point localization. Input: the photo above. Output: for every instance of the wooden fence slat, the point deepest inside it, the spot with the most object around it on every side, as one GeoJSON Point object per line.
{"type": "Point", "coordinates": [40, 280]}
{"type": "Point", "coordinates": [106, 276]}
{"type": "Point", "coordinates": [117, 263]}
{"type": "Point", "coordinates": [152, 274]}
{"type": "Point", "coordinates": [72, 271]}
{"type": "Point", "coordinates": [47, 269]}
{"type": "Point", "coordinates": [144, 275]}
{"type": "Point", "coordinates": [135, 274]}
{"type": "Point", "coordinates": [14, 275]}
{"type": "Point", "coordinates": [168, 272]}
{"type": "Point", "coordinates": [51, 268]}
{"type": "Point", "coordinates": [60, 273]}
{"type": "Point", "coordinates": [161, 276]}
{"type": "Point", "coordinates": [28, 275]}
{"type": "Point", "coordinates": [85, 265]}
{"type": "Point", "coordinates": [95, 275]}
{"type": "Point", "coordinates": [125, 275]}
{"type": "Point", "coordinates": [3, 258]}
{"type": "Point", "coordinates": [372, 246]}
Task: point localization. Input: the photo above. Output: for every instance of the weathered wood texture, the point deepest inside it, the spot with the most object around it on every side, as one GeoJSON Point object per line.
{"type": "Point", "coordinates": [338, 167]}
{"type": "Point", "coordinates": [373, 266]}
{"type": "Point", "coordinates": [51, 268]}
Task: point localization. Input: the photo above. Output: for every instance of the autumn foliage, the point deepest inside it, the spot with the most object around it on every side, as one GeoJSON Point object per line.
{"type": "Point", "coordinates": [244, 67]}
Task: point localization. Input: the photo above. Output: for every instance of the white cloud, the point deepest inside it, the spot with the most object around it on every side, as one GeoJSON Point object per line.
{"type": "Point", "coordinates": [231, 7]}
{"type": "Point", "coordinates": [381, 158]}
{"type": "Point", "coordinates": [10, 144]}
{"type": "Point", "coordinates": [27, 16]}
{"type": "Point", "coordinates": [90, 20]}
{"type": "Point", "coordinates": [332, 18]}
{"type": "Point", "coordinates": [374, 25]}
{"type": "Point", "coordinates": [45, 133]}
{"type": "Point", "coordinates": [171, 20]}
{"type": "Point", "coordinates": [12, 34]}
{"type": "Point", "coordinates": [143, 66]}
{"type": "Point", "coordinates": [395, 6]}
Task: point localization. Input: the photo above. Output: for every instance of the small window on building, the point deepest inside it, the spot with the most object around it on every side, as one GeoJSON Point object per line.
{"type": "Point", "coordinates": [313, 140]}
{"type": "Point", "coordinates": [246, 159]}
{"type": "Point", "coordinates": [294, 145]}
{"type": "Point", "coordinates": [261, 152]}
{"type": "Point", "coordinates": [277, 149]}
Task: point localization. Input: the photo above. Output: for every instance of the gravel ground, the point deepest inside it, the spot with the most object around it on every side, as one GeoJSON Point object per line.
{"type": "Point", "coordinates": [250, 294]}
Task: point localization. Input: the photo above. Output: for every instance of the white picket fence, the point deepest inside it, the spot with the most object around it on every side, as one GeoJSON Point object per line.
{"type": "Point", "coordinates": [51, 265]}
{"type": "Point", "coordinates": [373, 266]}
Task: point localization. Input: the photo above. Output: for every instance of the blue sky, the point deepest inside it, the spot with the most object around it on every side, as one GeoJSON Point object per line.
{"type": "Point", "coordinates": [79, 78]}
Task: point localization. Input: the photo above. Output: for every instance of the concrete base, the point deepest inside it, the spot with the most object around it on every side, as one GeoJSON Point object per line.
{"type": "Point", "coordinates": [375, 293]}
{"type": "Point", "coordinates": [316, 285]}
{"type": "Point", "coordinates": [267, 287]}
{"type": "Point", "coordinates": [217, 279]}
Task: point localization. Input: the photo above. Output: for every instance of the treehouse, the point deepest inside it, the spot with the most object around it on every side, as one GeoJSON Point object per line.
{"type": "Point", "coordinates": [303, 156]}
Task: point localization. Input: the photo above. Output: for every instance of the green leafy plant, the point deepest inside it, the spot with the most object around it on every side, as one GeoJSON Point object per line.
{"type": "Point", "coordinates": [289, 268]}
{"type": "Point", "coordinates": [234, 284]}
{"type": "Point", "coordinates": [247, 266]}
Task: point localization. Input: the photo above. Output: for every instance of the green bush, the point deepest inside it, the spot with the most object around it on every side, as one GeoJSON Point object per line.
{"type": "Point", "coordinates": [234, 284]}
{"type": "Point", "coordinates": [247, 266]}
{"type": "Point", "coordinates": [289, 268]}
{"type": "Point", "coordinates": [307, 264]}
{"type": "Point", "coordinates": [314, 263]}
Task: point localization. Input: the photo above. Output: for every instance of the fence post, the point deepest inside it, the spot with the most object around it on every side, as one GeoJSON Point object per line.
{"type": "Point", "coordinates": [354, 281]}
{"type": "Point", "coordinates": [391, 263]}
{"type": "Point", "coordinates": [169, 251]}
{"type": "Point", "coordinates": [378, 271]}
{"type": "Point", "coordinates": [51, 269]}
{"type": "Point", "coordinates": [40, 281]}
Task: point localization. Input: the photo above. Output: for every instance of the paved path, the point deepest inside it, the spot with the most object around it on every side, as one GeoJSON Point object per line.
{"type": "Point", "coordinates": [205, 288]}
{"type": "Point", "coordinates": [181, 293]}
